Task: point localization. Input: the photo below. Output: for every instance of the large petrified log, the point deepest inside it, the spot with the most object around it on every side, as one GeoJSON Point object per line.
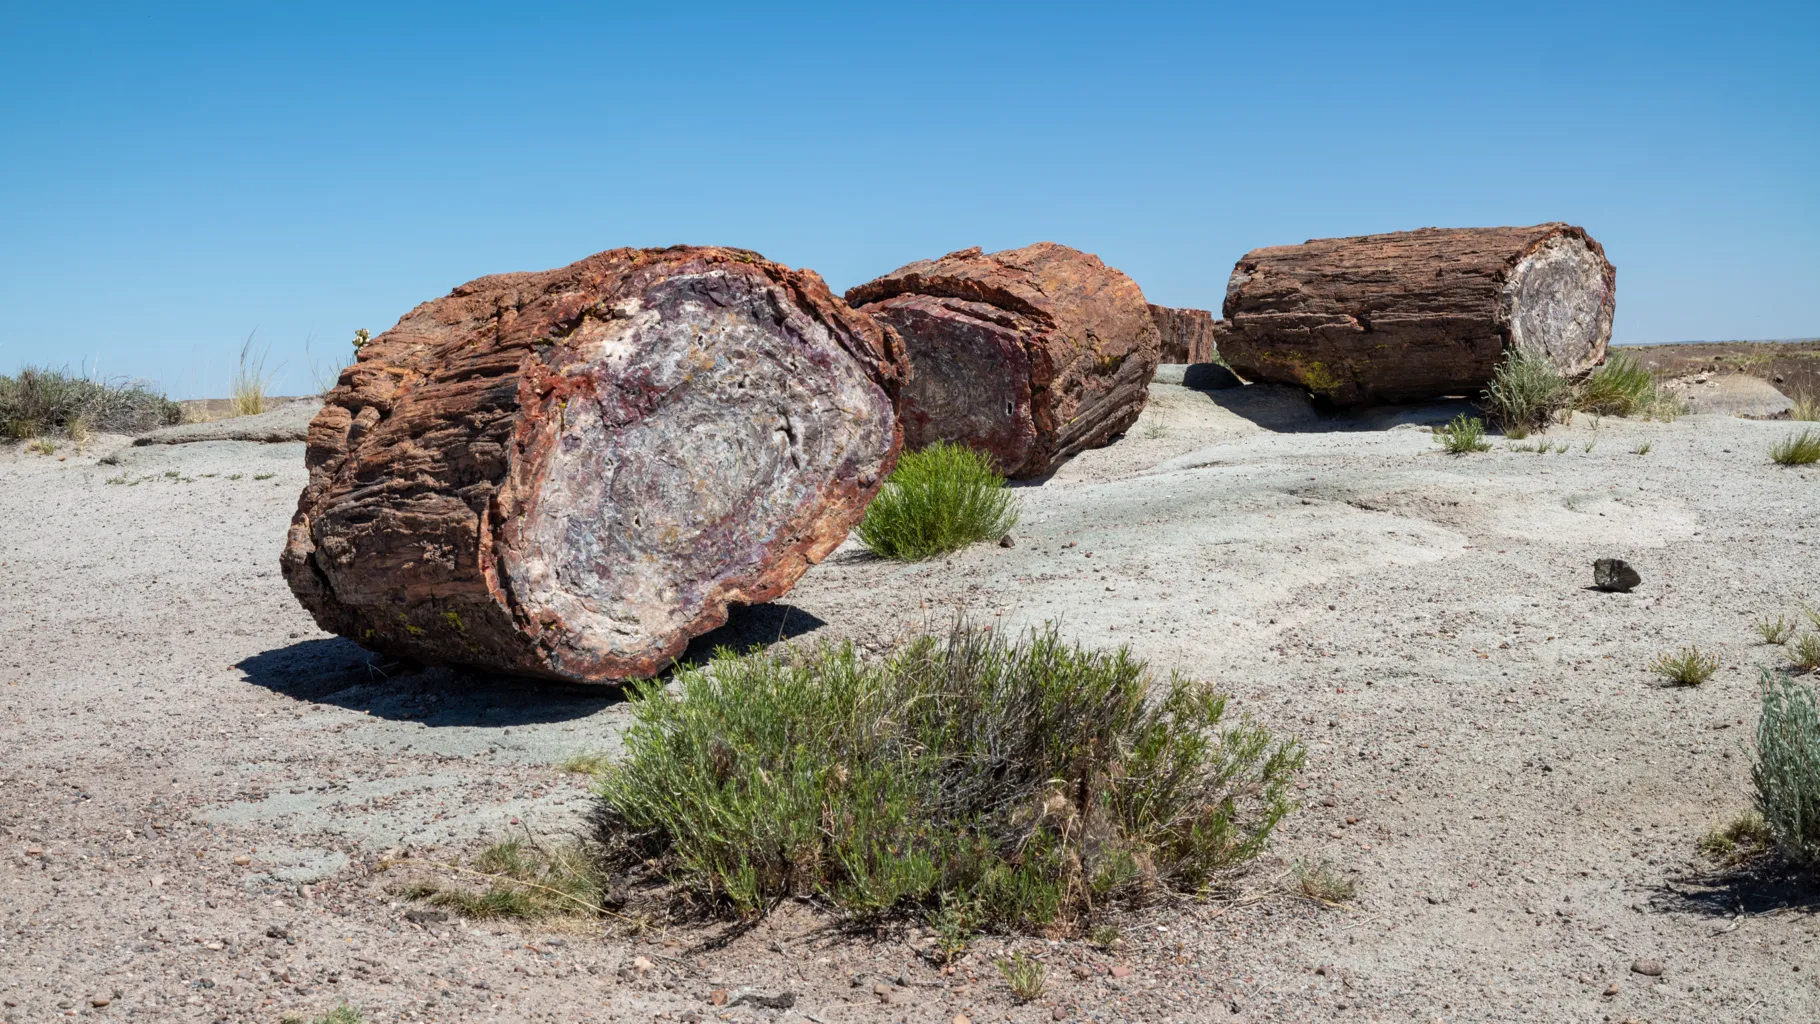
{"type": "Point", "coordinates": [571, 473]}
{"type": "Point", "coordinates": [1416, 314]}
{"type": "Point", "coordinates": [1186, 335]}
{"type": "Point", "coordinates": [1029, 355]}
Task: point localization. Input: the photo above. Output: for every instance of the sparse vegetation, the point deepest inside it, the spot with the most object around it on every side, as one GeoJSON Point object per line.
{"type": "Point", "coordinates": [1806, 407]}
{"type": "Point", "coordinates": [41, 402]}
{"type": "Point", "coordinates": [264, 476]}
{"type": "Point", "coordinates": [1787, 769]}
{"type": "Point", "coordinates": [1621, 386]}
{"type": "Point", "coordinates": [1642, 449]}
{"type": "Point", "coordinates": [1801, 449]}
{"type": "Point", "coordinates": [1526, 393]}
{"type": "Point", "coordinates": [1687, 667]}
{"type": "Point", "coordinates": [1738, 841]}
{"type": "Point", "coordinates": [1026, 975]}
{"type": "Point", "coordinates": [586, 764]}
{"type": "Point", "coordinates": [1775, 631]}
{"type": "Point", "coordinates": [251, 385]}
{"type": "Point", "coordinates": [981, 782]}
{"type": "Point", "coordinates": [522, 880]}
{"type": "Point", "coordinates": [343, 1014]}
{"type": "Point", "coordinates": [1463, 434]}
{"type": "Point", "coordinates": [1323, 882]}
{"type": "Point", "coordinates": [938, 500]}
{"type": "Point", "coordinates": [1804, 653]}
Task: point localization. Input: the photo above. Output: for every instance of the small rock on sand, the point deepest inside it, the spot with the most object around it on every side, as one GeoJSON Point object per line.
{"type": "Point", "coordinates": [1647, 967]}
{"type": "Point", "coordinates": [1615, 574]}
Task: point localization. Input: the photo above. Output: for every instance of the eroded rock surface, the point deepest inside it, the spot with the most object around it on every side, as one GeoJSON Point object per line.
{"type": "Point", "coordinates": [1029, 355]}
{"type": "Point", "coordinates": [571, 473]}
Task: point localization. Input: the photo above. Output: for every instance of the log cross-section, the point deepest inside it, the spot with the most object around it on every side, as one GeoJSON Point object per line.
{"type": "Point", "coordinates": [1415, 315]}
{"type": "Point", "coordinates": [572, 473]}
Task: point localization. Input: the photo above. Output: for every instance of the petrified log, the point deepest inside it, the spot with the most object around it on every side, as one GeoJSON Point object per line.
{"type": "Point", "coordinates": [1416, 314]}
{"type": "Point", "coordinates": [1029, 355]}
{"type": "Point", "coordinates": [571, 473]}
{"type": "Point", "coordinates": [1186, 335]}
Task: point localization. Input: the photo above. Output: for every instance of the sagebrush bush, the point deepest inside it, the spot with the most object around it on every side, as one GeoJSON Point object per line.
{"type": "Point", "coordinates": [1526, 392]}
{"type": "Point", "coordinates": [1787, 768]}
{"type": "Point", "coordinates": [1801, 449]}
{"type": "Point", "coordinates": [975, 781]}
{"type": "Point", "coordinates": [1463, 434]}
{"type": "Point", "coordinates": [40, 401]}
{"type": "Point", "coordinates": [1622, 386]}
{"type": "Point", "coordinates": [939, 499]}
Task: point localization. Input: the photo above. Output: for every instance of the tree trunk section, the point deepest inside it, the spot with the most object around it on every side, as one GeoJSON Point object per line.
{"type": "Point", "coordinates": [1186, 335]}
{"type": "Point", "coordinates": [1028, 355]}
{"type": "Point", "coordinates": [1416, 315]}
{"type": "Point", "coordinates": [572, 473]}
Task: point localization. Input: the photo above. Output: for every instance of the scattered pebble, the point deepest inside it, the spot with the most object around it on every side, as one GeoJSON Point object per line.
{"type": "Point", "coordinates": [1647, 967]}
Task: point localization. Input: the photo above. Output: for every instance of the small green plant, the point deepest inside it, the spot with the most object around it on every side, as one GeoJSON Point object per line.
{"type": "Point", "coordinates": [1463, 434]}
{"type": "Point", "coordinates": [1775, 631]}
{"type": "Point", "coordinates": [121, 479]}
{"type": "Point", "coordinates": [1686, 667]}
{"type": "Point", "coordinates": [248, 391]}
{"type": "Point", "coordinates": [1622, 386]}
{"type": "Point", "coordinates": [1026, 975]}
{"type": "Point", "coordinates": [1787, 769]}
{"type": "Point", "coordinates": [1537, 447]}
{"type": "Point", "coordinates": [1804, 653]}
{"type": "Point", "coordinates": [938, 500]}
{"type": "Point", "coordinates": [955, 924]}
{"type": "Point", "coordinates": [1022, 785]}
{"type": "Point", "coordinates": [343, 1014]}
{"type": "Point", "coordinates": [1526, 392]}
{"type": "Point", "coordinates": [233, 476]}
{"type": "Point", "coordinates": [1156, 428]}
{"type": "Point", "coordinates": [1642, 449]}
{"type": "Point", "coordinates": [1561, 449]}
{"type": "Point", "coordinates": [1588, 447]}
{"type": "Point", "coordinates": [1801, 449]}
{"type": "Point", "coordinates": [1106, 936]}
{"type": "Point", "coordinates": [43, 446]}
{"type": "Point", "coordinates": [1738, 841]}
{"type": "Point", "coordinates": [1323, 882]}
{"type": "Point", "coordinates": [264, 476]}
{"type": "Point", "coordinates": [523, 880]}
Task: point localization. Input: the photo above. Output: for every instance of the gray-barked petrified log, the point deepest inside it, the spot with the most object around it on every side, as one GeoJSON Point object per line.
{"type": "Point", "coordinates": [1029, 355]}
{"type": "Point", "coordinates": [1415, 315]}
{"type": "Point", "coordinates": [572, 473]}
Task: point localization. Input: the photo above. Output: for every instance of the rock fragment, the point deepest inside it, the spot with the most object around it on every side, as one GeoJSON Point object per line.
{"type": "Point", "coordinates": [1615, 574]}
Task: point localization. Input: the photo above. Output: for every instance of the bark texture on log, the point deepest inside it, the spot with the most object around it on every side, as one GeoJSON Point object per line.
{"type": "Point", "coordinates": [1186, 335]}
{"type": "Point", "coordinates": [1029, 355]}
{"type": "Point", "coordinates": [572, 473]}
{"type": "Point", "coordinates": [1417, 314]}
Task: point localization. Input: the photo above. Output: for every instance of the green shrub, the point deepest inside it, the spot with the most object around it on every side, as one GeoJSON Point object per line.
{"type": "Point", "coordinates": [1026, 976]}
{"type": "Point", "coordinates": [1801, 449]}
{"type": "Point", "coordinates": [40, 401]}
{"type": "Point", "coordinates": [1622, 386]}
{"type": "Point", "coordinates": [1775, 631]}
{"type": "Point", "coordinates": [1804, 653]}
{"type": "Point", "coordinates": [1787, 769]}
{"type": "Point", "coordinates": [976, 781]}
{"type": "Point", "coordinates": [1687, 667]}
{"type": "Point", "coordinates": [1526, 392]}
{"type": "Point", "coordinates": [1464, 434]}
{"type": "Point", "coordinates": [1738, 841]}
{"type": "Point", "coordinates": [940, 499]}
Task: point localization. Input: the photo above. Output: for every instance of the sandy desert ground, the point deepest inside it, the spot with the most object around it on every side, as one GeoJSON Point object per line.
{"type": "Point", "coordinates": [205, 801]}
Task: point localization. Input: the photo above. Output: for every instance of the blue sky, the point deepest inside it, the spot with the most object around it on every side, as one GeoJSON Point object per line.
{"type": "Point", "coordinates": [172, 179]}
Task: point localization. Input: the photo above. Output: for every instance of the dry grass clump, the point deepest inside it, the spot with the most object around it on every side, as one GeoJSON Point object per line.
{"type": "Point", "coordinates": [1687, 667]}
{"type": "Point", "coordinates": [521, 880]}
{"type": "Point", "coordinates": [1801, 449]}
{"type": "Point", "coordinates": [1526, 393]}
{"type": "Point", "coordinates": [1323, 882]}
{"type": "Point", "coordinates": [1462, 435]}
{"type": "Point", "coordinates": [1804, 653]}
{"type": "Point", "coordinates": [938, 500]}
{"type": "Point", "coordinates": [252, 385]}
{"type": "Point", "coordinates": [1787, 769]}
{"type": "Point", "coordinates": [38, 402]}
{"type": "Point", "coordinates": [1621, 386]}
{"type": "Point", "coordinates": [343, 1014]}
{"type": "Point", "coordinates": [975, 781]}
{"type": "Point", "coordinates": [1778, 630]}
{"type": "Point", "coordinates": [1738, 841]}
{"type": "Point", "coordinates": [1806, 407]}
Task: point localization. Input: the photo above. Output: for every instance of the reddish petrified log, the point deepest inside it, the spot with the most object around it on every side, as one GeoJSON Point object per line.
{"type": "Point", "coordinates": [1416, 314]}
{"type": "Point", "coordinates": [1029, 355]}
{"type": "Point", "coordinates": [1186, 335]}
{"type": "Point", "coordinates": [572, 473]}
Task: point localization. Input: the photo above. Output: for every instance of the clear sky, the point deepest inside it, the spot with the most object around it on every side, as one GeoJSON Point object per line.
{"type": "Point", "coordinates": [174, 177]}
